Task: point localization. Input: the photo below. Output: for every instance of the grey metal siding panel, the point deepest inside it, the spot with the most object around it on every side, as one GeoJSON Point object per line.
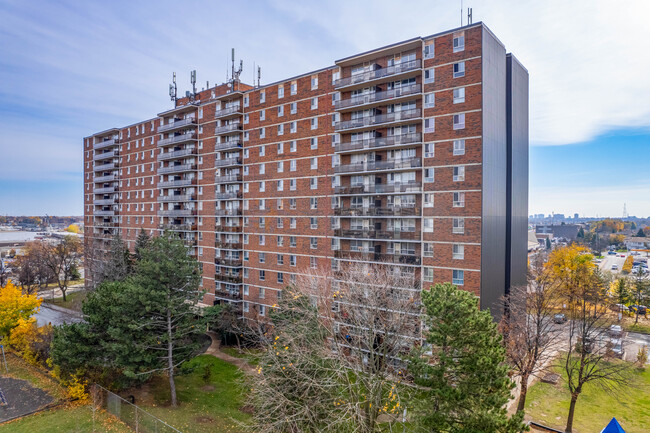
{"type": "Point", "coordinates": [517, 125]}
{"type": "Point", "coordinates": [493, 234]}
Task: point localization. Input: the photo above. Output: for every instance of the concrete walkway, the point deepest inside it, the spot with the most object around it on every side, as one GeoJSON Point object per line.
{"type": "Point", "coordinates": [215, 351]}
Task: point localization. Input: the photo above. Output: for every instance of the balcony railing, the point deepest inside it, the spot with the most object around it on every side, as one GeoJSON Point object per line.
{"type": "Point", "coordinates": [373, 143]}
{"type": "Point", "coordinates": [377, 211]}
{"type": "Point", "coordinates": [371, 256]}
{"type": "Point", "coordinates": [228, 212]}
{"type": "Point", "coordinates": [104, 190]}
{"type": "Point", "coordinates": [379, 165]}
{"type": "Point", "coordinates": [107, 178]}
{"type": "Point", "coordinates": [106, 143]}
{"type": "Point", "coordinates": [177, 212]}
{"type": "Point", "coordinates": [104, 213]}
{"type": "Point", "coordinates": [227, 261]}
{"type": "Point", "coordinates": [230, 144]}
{"type": "Point", "coordinates": [228, 245]}
{"type": "Point", "coordinates": [379, 119]}
{"type": "Point", "coordinates": [229, 295]}
{"type": "Point", "coordinates": [189, 242]}
{"type": "Point", "coordinates": [104, 167]}
{"type": "Point", "coordinates": [181, 138]}
{"type": "Point", "coordinates": [176, 154]}
{"type": "Point", "coordinates": [227, 162]}
{"type": "Point", "coordinates": [190, 121]}
{"type": "Point", "coordinates": [176, 197]}
{"type": "Point", "coordinates": [178, 227]}
{"type": "Point", "coordinates": [368, 233]}
{"type": "Point", "coordinates": [226, 278]}
{"type": "Point", "coordinates": [379, 188]}
{"type": "Point", "coordinates": [386, 95]}
{"type": "Point", "coordinates": [104, 201]}
{"type": "Point", "coordinates": [228, 195]}
{"type": "Point", "coordinates": [235, 109]}
{"type": "Point", "coordinates": [178, 168]}
{"type": "Point", "coordinates": [175, 183]}
{"type": "Point", "coordinates": [106, 155]}
{"type": "Point", "coordinates": [378, 73]}
{"type": "Point", "coordinates": [225, 129]}
{"type": "Point", "coordinates": [228, 178]}
{"type": "Point", "coordinates": [227, 229]}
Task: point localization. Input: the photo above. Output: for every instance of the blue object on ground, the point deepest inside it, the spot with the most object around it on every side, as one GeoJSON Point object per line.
{"type": "Point", "coordinates": [613, 427]}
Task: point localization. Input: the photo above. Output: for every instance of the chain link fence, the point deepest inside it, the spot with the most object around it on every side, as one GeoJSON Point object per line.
{"type": "Point", "coordinates": [133, 416]}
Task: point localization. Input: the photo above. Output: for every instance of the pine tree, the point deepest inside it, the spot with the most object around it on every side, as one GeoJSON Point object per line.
{"type": "Point", "coordinates": [466, 377]}
{"type": "Point", "coordinates": [141, 243]}
{"type": "Point", "coordinates": [117, 266]}
{"type": "Point", "coordinates": [548, 244]}
{"type": "Point", "coordinates": [640, 233]}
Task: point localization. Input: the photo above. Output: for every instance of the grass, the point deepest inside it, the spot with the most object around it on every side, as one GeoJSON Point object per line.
{"type": "Point", "coordinates": [73, 300]}
{"type": "Point", "coordinates": [250, 355]}
{"type": "Point", "coordinates": [56, 285]}
{"type": "Point", "coordinates": [19, 369]}
{"type": "Point", "coordinates": [639, 327]}
{"type": "Point", "coordinates": [69, 420]}
{"type": "Point", "coordinates": [549, 405]}
{"type": "Point", "coordinates": [205, 405]}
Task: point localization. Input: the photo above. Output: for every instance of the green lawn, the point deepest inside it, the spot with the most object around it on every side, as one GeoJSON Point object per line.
{"type": "Point", "coordinates": [549, 405]}
{"type": "Point", "coordinates": [214, 406]}
{"type": "Point", "coordinates": [77, 419]}
{"type": "Point", "coordinates": [250, 355]}
{"type": "Point", "coordinates": [73, 300]}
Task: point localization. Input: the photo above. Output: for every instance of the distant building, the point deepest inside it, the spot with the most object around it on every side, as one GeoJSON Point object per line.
{"type": "Point", "coordinates": [565, 231]}
{"type": "Point", "coordinates": [637, 243]}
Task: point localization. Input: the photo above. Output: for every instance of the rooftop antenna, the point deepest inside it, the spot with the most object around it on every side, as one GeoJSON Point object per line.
{"type": "Point", "coordinates": [461, 13]}
{"type": "Point", "coordinates": [259, 75]}
{"type": "Point", "coordinates": [235, 73]}
{"type": "Point", "coordinates": [193, 80]}
{"type": "Point", "coordinates": [172, 89]}
{"type": "Point", "coordinates": [469, 16]}
{"type": "Point", "coordinates": [625, 215]}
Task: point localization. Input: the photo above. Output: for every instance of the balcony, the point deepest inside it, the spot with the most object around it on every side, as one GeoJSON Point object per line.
{"type": "Point", "coordinates": [189, 242]}
{"type": "Point", "coordinates": [177, 213]}
{"type": "Point", "coordinates": [227, 129]}
{"type": "Point", "coordinates": [177, 139]}
{"type": "Point", "coordinates": [106, 155]}
{"type": "Point", "coordinates": [378, 142]}
{"type": "Point", "coordinates": [228, 195]}
{"type": "Point", "coordinates": [380, 119]}
{"type": "Point", "coordinates": [379, 188]}
{"type": "Point", "coordinates": [228, 212]}
{"type": "Point", "coordinates": [176, 197]}
{"type": "Point", "coordinates": [178, 168]}
{"type": "Point", "coordinates": [228, 278]}
{"type": "Point", "coordinates": [224, 245]}
{"type": "Point", "coordinates": [369, 233]}
{"type": "Point", "coordinates": [227, 162]}
{"type": "Point", "coordinates": [177, 124]}
{"type": "Point", "coordinates": [371, 256]}
{"type": "Point", "coordinates": [228, 178]}
{"type": "Point", "coordinates": [105, 190]}
{"type": "Point", "coordinates": [230, 144]}
{"type": "Point", "coordinates": [107, 178]}
{"type": "Point", "coordinates": [228, 112]}
{"type": "Point", "coordinates": [106, 143]}
{"type": "Point", "coordinates": [176, 154]}
{"type": "Point", "coordinates": [377, 211]}
{"type": "Point", "coordinates": [108, 225]}
{"type": "Point", "coordinates": [104, 201]}
{"type": "Point", "coordinates": [104, 213]}
{"type": "Point", "coordinates": [175, 183]}
{"type": "Point", "coordinates": [228, 261]}
{"type": "Point", "coordinates": [178, 227]}
{"type": "Point", "coordinates": [228, 295]}
{"type": "Point", "coordinates": [395, 164]}
{"type": "Point", "coordinates": [104, 167]}
{"type": "Point", "coordinates": [227, 229]}
{"type": "Point", "coordinates": [390, 71]}
{"type": "Point", "coordinates": [378, 98]}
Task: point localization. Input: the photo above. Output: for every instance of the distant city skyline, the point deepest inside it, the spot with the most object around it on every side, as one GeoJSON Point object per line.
{"type": "Point", "coordinates": [61, 79]}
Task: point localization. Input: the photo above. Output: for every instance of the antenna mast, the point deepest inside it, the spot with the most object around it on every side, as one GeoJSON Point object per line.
{"type": "Point", "coordinates": [259, 75]}
{"type": "Point", "coordinates": [461, 13]}
{"type": "Point", "coordinates": [235, 73]}
{"type": "Point", "coordinates": [172, 89]}
{"type": "Point", "coordinates": [469, 16]}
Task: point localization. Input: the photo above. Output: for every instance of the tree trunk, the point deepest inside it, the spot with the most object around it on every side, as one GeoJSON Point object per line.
{"type": "Point", "coordinates": [63, 290]}
{"type": "Point", "coordinates": [522, 393]}
{"type": "Point", "coordinates": [572, 408]}
{"type": "Point", "coordinates": [170, 360]}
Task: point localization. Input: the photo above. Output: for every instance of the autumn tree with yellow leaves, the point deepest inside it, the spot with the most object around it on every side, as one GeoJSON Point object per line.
{"type": "Point", "coordinates": [14, 307]}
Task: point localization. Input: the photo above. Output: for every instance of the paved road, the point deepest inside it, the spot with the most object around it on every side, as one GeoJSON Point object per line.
{"type": "Point", "coordinates": [55, 317]}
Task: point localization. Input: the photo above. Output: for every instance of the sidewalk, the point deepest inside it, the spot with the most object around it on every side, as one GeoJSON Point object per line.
{"type": "Point", "coordinates": [215, 351]}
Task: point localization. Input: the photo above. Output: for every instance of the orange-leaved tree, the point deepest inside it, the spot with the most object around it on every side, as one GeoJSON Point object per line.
{"type": "Point", "coordinates": [572, 267]}
{"type": "Point", "coordinates": [14, 306]}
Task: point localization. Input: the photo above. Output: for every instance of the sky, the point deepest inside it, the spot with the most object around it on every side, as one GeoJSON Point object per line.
{"type": "Point", "coordinates": [71, 68]}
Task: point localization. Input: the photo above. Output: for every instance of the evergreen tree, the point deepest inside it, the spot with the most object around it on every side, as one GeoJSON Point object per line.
{"type": "Point", "coordinates": [548, 244]}
{"type": "Point", "coordinates": [466, 378]}
{"type": "Point", "coordinates": [118, 265]}
{"type": "Point", "coordinates": [141, 243]}
{"type": "Point", "coordinates": [640, 233]}
{"type": "Point", "coordinates": [581, 233]}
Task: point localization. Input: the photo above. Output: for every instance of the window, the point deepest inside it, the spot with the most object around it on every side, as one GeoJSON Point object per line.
{"type": "Point", "coordinates": [262, 186]}
{"type": "Point", "coordinates": [280, 148]}
{"type": "Point", "coordinates": [429, 50]}
{"type": "Point", "coordinates": [246, 289]}
{"type": "Point", "coordinates": [314, 103]}
{"type": "Point", "coordinates": [262, 293]}
{"type": "Point", "coordinates": [262, 275]}
{"type": "Point", "coordinates": [292, 164]}
{"type": "Point", "coordinates": [262, 114]}
{"type": "Point", "coordinates": [458, 277]}
{"type": "Point", "coordinates": [280, 185]}
{"type": "Point", "coordinates": [313, 262]}
{"type": "Point", "coordinates": [459, 43]}
{"type": "Point", "coordinates": [292, 260]}
{"type": "Point", "coordinates": [429, 150]}
{"type": "Point", "coordinates": [293, 127]}
{"type": "Point", "coordinates": [293, 107]}
{"type": "Point", "coordinates": [280, 223]}
{"type": "Point", "coordinates": [262, 132]}
{"type": "Point", "coordinates": [459, 69]}
{"type": "Point", "coordinates": [313, 243]}
{"type": "Point", "coordinates": [459, 173]}
{"type": "Point", "coordinates": [429, 75]}
{"type": "Point", "coordinates": [313, 203]}
{"type": "Point", "coordinates": [459, 121]}
{"type": "Point", "coordinates": [280, 277]}
{"type": "Point", "coordinates": [280, 92]}
{"type": "Point", "coordinates": [293, 146]}
{"type": "Point", "coordinates": [427, 274]}
{"type": "Point", "coordinates": [262, 150]}
{"type": "Point", "coordinates": [292, 241]}
{"type": "Point", "coordinates": [246, 136]}
{"type": "Point", "coordinates": [459, 147]}
{"type": "Point", "coordinates": [292, 184]}
{"type": "Point", "coordinates": [313, 183]}
{"type": "Point", "coordinates": [246, 306]}
{"type": "Point", "coordinates": [262, 257]}
{"type": "Point", "coordinates": [280, 204]}
{"type": "Point", "coordinates": [292, 204]}
{"type": "Point", "coordinates": [428, 225]}
{"type": "Point", "coordinates": [458, 252]}
{"type": "Point", "coordinates": [281, 129]}
{"type": "Point", "coordinates": [314, 163]}
{"type": "Point", "coordinates": [458, 226]}
{"type": "Point", "coordinates": [429, 175]}
{"type": "Point", "coordinates": [314, 143]}
{"type": "Point", "coordinates": [313, 222]}
{"type": "Point", "coordinates": [314, 122]}
{"type": "Point", "coordinates": [294, 87]}
{"type": "Point", "coordinates": [262, 166]}
{"type": "Point", "coordinates": [429, 100]}
{"type": "Point", "coordinates": [262, 240]}
{"type": "Point", "coordinates": [430, 125]}
{"type": "Point", "coordinates": [459, 199]}
{"type": "Point", "coordinates": [280, 243]}
{"type": "Point", "coordinates": [427, 250]}
{"type": "Point", "coordinates": [428, 199]}
{"type": "Point", "coordinates": [314, 83]}
{"type": "Point", "coordinates": [262, 206]}
{"type": "Point", "coordinates": [262, 309]}
{"type": "Point", "coordinates": [246, 101]}
{"type": "Point", "coordinates": [262, 97]}
{"type": "Point", "coordinates": [459, 95]}
{"type": "Point", "coordinates": [280, 110]}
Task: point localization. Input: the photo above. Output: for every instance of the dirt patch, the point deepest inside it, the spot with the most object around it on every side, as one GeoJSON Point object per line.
{"type": "Point", "coordinates": [207, 388]}
{"type": "Point", "coordinates": [204, 419]}
{"type": "Point", "coordinates": [247, 409]}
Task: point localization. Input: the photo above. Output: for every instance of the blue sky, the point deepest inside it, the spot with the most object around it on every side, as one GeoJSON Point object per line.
{"type": "Point", "coordinates": [69, 68]}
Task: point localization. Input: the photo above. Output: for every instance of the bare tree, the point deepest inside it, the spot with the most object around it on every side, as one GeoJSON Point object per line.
{"type": "Point", "coordinates": [640, 291]}
{"type": "Point", "coordinates": [62, 259]}
{"type": "Point", "coordinates": [335, 361]}
{"type": "Point", "coordinates": [530, 334]}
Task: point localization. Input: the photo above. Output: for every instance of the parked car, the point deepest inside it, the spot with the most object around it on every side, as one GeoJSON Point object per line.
{"type": "Point", "coordinates": [620, 307]}
{"type": "Point", "coordinates": [615, 331]}
{"type": "Point", "coordinates": [616, 347]}
{"type": "Point", "coordinates": [611, 253]}
{"type": "Point", "coordinates": [560, 318]}
{"type": "Point", "coordinates": [621, 255]}
{"type": "Point", "coordinates": [641, 308]}
{"type": "Point", "coordinates": [614, 267]}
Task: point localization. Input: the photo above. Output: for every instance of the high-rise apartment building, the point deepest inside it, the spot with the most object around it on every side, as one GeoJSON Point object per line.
{"type": "Point", "coordinates": [413, 154]}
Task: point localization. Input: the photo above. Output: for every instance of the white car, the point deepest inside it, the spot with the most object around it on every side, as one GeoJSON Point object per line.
{"type": "Point", "coordinates": [614, 267]}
